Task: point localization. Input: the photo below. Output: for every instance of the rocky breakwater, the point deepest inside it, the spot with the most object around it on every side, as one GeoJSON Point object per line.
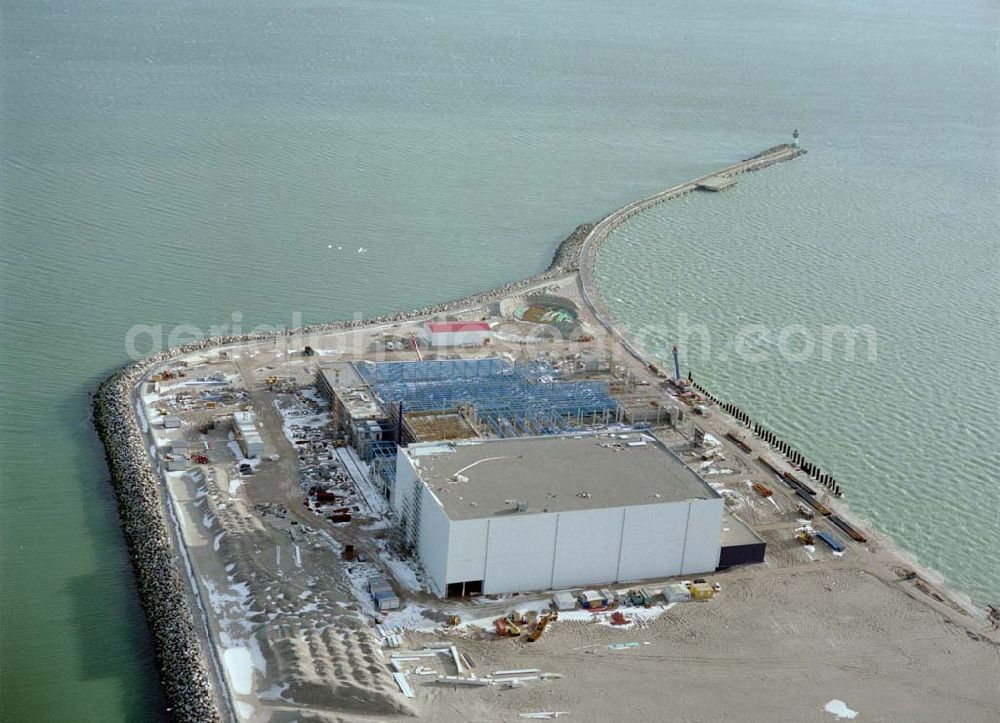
{"type": "Point", "coordinates": [162, 592]}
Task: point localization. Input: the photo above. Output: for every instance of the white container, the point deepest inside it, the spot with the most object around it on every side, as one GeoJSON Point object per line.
{"type": "Point", "coordinates": [677, 592]}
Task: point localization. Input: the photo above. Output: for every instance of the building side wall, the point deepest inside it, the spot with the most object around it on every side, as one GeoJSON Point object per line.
{"type": "Point", "coordinates": [571, 549]}
{"type": "Point", "coordinates": [467, 550]}
{"type": "Point", "coordinates": [653, 540]}
{"type": "Point", "coordinates": [519, 553]}
{"type": "Point", "coordinates": [433, 545]}
{"type": "Point", "coordinates": [586, 547]}
{"type": "Point", "coordinates": [457, 338]}
{"type": "Point", "coordinates": [703, 539]}
{"type": "Point", "coordinates": [406, 478]}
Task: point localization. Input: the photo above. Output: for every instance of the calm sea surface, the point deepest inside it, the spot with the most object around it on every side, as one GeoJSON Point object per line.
{"type": "Point", "coordinates": [177, 162]}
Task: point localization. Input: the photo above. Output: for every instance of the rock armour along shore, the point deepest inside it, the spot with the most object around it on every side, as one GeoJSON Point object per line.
{"type": "Point", "coordinates": [182, 662]}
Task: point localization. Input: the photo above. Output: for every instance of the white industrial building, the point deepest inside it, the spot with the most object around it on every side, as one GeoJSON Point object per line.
{"type": "Point", "coordinates": [247, 436]}
{"type": "Point", "coordinates": [455, 333]}
{"type": "Point", "coordinates": [507, 515]}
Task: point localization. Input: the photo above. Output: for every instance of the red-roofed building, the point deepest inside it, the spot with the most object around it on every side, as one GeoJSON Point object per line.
{"type": "Point", "coordinates": [456, 333]}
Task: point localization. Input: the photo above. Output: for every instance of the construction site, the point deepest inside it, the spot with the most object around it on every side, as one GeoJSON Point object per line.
{"type": "Point", "coordinates": [500, 509]}
{"type": "Point", "coordinates": [383, 531]}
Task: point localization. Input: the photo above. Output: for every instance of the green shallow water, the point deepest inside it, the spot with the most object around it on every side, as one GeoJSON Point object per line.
{"type": "Point", "coordinates": [174, 163]}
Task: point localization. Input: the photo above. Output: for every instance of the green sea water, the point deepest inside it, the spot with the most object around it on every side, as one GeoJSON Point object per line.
{"type": "Point", "coordinates": [178, 162]}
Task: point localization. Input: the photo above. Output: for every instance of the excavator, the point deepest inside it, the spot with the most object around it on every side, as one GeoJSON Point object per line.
{"type": "Point", "coordinates": [543, 622]}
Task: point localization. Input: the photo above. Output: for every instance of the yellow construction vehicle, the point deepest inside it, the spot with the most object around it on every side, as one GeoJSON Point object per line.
{"type": "Point", "coordinates": [506, 629]}
{"type": "Point", "coordinates": [540, 626]}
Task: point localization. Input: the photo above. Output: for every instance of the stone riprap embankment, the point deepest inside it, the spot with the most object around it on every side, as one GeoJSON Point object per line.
{"type": "Point", "coordinates": [178, 650]}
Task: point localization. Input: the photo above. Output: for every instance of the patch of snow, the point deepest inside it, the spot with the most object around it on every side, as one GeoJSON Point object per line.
{"type": "Point", "coordinates": [409, 618]}
{"type": "Point", "coordinates": [239, 669]}
{"type": "Point", "coordinates": [141, 417]}
{"type": "Point", "coordinates": [839, 708]}
{"type": "Point", "coordinates": [405, 575]}
{"type": "Point", "coordinates": [334, 545]}
{"type": "Point", "coordinates": [275, 692]}
{"type": "Point", "coordinates": [244, 710]}
{"type": "Point", "coordinates": [234, 486]}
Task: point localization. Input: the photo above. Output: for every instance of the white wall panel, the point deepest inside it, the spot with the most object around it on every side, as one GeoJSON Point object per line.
{"type": "Point", "coordinates": [704, 537]}
{"type": "Point", "coordinates": [467, 550]}
{"type": "Point", "coordinates": [519, 553]}
{"type": "Point", "coordinates": [653, 541]}
{"type": "Point", "coordinates": [406, 477]}
{"type": "Point", "coordinates": [587, 547]}
{"type": "Point", "coordinates": [432, 545]}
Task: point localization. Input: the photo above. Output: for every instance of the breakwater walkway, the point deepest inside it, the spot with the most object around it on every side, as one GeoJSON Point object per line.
{"type": "Point", "coordinates": [600, 232]}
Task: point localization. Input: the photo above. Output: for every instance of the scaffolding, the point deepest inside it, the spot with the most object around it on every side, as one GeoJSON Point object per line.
{"type": "Point", "coordinates": [431, 370]}
{"type": "Point", "coordinates": [404, 535]}
{"type": "Point", "coordinates": [383, 464]}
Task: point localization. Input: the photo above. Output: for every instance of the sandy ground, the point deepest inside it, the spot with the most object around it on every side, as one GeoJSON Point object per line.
{"type": "Point", "coordinates": [775, 646]}
{"type": "Point", "coordinates": [295, 638]}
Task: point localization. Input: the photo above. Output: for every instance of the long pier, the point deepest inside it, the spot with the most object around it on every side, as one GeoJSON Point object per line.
{"type": "Point", "coordinates": [715, 181]}
{"type": "Point", "coordinates": [600, 233]}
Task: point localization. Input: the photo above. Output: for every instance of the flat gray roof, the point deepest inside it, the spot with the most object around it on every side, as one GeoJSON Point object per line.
{"type": "Point", "coordinates": [348, 384]}
{"type": "Point", "coordinates": [474, 479]}
{"type": "Point", "coordinates": [341, 374]}
{"type": "Point", "coordinates": [737, 532]}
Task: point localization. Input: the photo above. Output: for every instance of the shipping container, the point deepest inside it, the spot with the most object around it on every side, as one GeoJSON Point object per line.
{"type": "Point", "coordinates": [676, 592]}
{"type": "Point", "coordinates": [564, 601]}
{"type": "Point", "coordinates": [387, 603]}
{"type": "Point", "coordinates": [702, 591]}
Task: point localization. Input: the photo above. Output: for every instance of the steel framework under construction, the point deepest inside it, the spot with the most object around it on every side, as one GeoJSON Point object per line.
{"type": "Point", "coordinates": [505, 400]}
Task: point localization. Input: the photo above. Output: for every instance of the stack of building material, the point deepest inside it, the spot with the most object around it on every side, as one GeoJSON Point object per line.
{"type": "Point", "coordinates": [385, 597]}
{"type": "Point", "coordinates": [249, 439]}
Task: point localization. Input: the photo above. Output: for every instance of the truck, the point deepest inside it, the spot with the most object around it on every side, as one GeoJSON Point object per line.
{"type": "Point", "coordinates": [639, 596]}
